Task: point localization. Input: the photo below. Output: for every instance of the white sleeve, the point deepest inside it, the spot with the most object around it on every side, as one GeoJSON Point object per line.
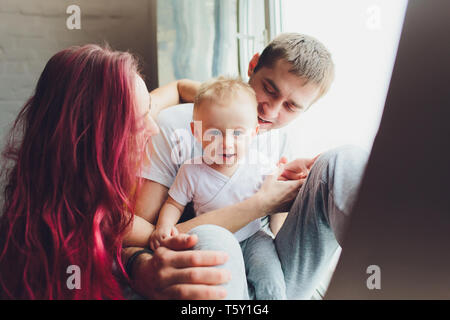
{"type": "Point", "coordinates": [182, 189]}
{"type": "Point", "coordinates": [171, 147]}
{"type": "Point", "coordinates": [285, 148]}
{"type": "Point", "coordinates": [265, 169]}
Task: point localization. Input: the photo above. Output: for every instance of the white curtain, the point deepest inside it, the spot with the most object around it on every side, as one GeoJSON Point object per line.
{"type": "Point", "coordinates": [196, 39]}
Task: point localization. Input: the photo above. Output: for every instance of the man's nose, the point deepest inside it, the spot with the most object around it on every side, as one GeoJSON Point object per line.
{"type": "Point", "coordinates": [271, 110]}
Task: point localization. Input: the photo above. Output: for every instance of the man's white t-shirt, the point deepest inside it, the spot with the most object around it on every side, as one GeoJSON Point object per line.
{"type": "Point", "coordinates": [175, 144]}
{"type": "Point", "coordinates": [209, 189]}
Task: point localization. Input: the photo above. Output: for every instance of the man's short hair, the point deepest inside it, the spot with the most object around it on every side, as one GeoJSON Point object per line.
{"type": "Point", "coordinates": [222, 87]}
{"type": "Point", "coordinates": [309, 58]}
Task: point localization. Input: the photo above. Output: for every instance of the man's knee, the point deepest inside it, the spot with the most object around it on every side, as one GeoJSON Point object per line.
{"type": "Point", "coordinates": [344, 156]}
{"type": "Point", "coordinates": [208, 229]}
{"type": "Point", "coordinates": [212, 237]}
{"type": "Point", "coordinates": [342, 170]}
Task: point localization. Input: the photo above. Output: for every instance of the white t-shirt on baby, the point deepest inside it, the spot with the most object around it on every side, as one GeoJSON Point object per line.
{"type": "Point", "coordinates": [210, 189]}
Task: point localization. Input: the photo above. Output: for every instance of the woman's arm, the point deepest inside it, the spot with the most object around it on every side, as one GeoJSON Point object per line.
{"type": "Point", "coordinates": [180, 91]}
{"type": "Point", "coordinates": [139, 234]}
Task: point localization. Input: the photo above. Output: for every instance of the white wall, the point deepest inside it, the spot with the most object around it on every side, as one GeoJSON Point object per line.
{"type": "Point", "coordinates": [31, 31]}
{"type": "Point", "coordinates": [362, 36]}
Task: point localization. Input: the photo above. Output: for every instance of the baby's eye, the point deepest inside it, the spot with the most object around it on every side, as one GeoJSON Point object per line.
{"type": "Point", "coordinates": [237, 133]}
{"type": "Point", "coordinates": [215, 132]}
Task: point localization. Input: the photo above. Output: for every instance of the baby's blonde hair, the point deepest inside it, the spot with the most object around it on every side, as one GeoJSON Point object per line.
{"type": "Point", "coordinates": [220, 88]}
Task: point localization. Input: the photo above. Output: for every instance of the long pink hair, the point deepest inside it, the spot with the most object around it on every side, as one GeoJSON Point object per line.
{"type": "Point", "coordinates": [70, 178]}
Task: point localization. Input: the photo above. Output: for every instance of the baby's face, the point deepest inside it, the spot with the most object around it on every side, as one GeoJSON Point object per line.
{"type": "Point", "coordinates": [225, 128]}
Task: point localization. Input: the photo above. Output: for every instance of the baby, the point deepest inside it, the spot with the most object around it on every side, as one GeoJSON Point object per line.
{"type": "Point", "coordinates": [225, 122]}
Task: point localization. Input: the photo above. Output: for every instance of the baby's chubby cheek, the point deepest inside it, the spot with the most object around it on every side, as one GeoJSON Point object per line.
{"type": "Point", "coordinates": [242, 149]}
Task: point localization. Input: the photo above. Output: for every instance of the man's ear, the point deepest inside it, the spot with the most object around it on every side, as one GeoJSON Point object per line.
{"type": "Point", "coordinates": [252, 64]}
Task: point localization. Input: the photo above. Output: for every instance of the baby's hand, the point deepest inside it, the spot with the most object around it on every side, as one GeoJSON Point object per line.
{"type": "Point", "coordinates": [161, 233]}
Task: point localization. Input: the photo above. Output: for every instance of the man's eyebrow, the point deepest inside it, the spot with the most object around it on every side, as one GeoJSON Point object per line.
{"type": "Point", "coordinates": [274, 86]}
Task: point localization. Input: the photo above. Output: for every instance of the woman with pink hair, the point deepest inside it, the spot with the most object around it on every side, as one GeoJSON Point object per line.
{"type": "Point", "coordinates": [70, 172]}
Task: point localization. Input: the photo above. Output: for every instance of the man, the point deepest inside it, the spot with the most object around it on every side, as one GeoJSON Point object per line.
{"type": "Point", "coordinates": [292, 73]}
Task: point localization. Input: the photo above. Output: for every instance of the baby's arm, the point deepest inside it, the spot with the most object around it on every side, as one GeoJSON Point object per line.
{"type": "Point", "coordinates": [276, 222]}
{"type": "Point", "coordinates": [139, 234]}
{"type": "Point", "coordinates": [168, 217]}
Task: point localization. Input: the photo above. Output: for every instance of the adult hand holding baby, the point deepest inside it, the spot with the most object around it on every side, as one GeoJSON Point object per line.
{"type": "Point", "coordinates": [175, 272]}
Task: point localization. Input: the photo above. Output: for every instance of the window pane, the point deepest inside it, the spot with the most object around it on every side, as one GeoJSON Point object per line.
{"type": "Point", "coordinates": [362, 36]}
{"type": "Point", "coordinates": [196, 39]}
{"type": "Point", "coordinates": [252, 33]}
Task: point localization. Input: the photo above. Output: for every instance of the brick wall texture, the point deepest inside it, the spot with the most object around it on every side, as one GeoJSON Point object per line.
{"type": "Point", "coordinates": [31, 31]}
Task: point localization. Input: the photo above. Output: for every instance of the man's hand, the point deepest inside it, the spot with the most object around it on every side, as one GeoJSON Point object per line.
{"type": "Point", "coordinates": [296, 169]}
{"type": "Point", "coordinates": [174, 274]}
{"type": "Point", "coordinates": [276, 193]}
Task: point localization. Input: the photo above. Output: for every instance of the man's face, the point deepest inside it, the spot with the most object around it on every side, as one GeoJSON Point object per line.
{"type": "Point", "coordinates": [281, 95]}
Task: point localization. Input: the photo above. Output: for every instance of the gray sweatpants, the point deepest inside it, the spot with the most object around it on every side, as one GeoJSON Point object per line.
{"type": "Point", "coordinates": [263, 269]}
{"type": "Point", "coordinates": [309, 239]}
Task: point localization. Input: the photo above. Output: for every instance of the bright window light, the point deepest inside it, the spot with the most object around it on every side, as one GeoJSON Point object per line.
{"type": "Point", "coordinates": [362, 36]}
